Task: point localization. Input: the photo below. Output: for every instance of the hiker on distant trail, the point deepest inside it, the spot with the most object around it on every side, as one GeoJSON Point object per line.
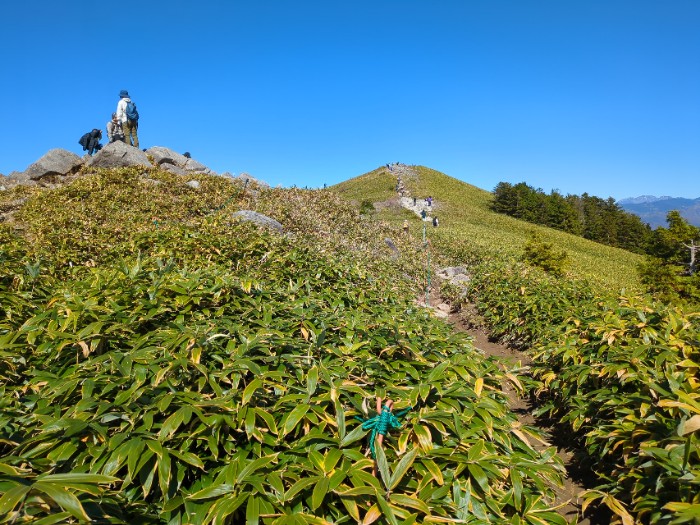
{"type": "Point", "coordinates": [414, 201]}
{"type": "Point", "coordinates": [430, 201]}
{"type": "Point", "coordinates": [90, 141]}
{"type": "Point", "coordinates": [114, 129]}
{"type": "Point", "coordinates": [423, 214]}
{"type": "Point", "coordinates": [405, 226]}
{"type": "Point", "coordinates": [435, 222]}
{"type": "Point", "coordinates": [128, 115]}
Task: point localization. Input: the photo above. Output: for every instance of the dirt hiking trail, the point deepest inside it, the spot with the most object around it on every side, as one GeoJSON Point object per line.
{"type": "Point", "coordinates": [466, 319]}
{"type": "Point", "coordinates": [567, 497]}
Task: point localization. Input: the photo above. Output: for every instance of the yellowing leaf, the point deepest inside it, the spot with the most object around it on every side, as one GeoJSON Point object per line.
{"type": "Point", "coordinates": [668, 403]}
{"type": "Point", "coordinates": [478, 386]}
{"type": "Point", "coordinates": [690, 426]}
{"type": "Point", "coordinates": [373, 514]}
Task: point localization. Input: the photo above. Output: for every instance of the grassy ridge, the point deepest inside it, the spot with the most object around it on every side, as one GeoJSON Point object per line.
{"type": "Point", "coordinates": [620, 372]}
{"type": "Point", "coordinates": [471, 231]}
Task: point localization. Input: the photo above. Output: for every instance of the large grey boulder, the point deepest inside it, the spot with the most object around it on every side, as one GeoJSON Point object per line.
{"type": "Point", "coordinates": [54, 162]}
{"type": "Point", "coordinates": [119, 155]}
{"type": "Point", "coordinates": [257, 218]}
{"type": "Point", "coordinates": [162, 155]}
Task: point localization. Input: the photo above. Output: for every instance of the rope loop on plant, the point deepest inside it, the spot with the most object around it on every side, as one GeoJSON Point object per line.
{"type": "Point", "coordinates": [382, 423]}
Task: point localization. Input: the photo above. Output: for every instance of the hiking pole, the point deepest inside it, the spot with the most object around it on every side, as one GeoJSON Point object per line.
{"type": "Point", "coordinates": [427, 270]}
{"type": "Point", "coordinates": [426, 245]}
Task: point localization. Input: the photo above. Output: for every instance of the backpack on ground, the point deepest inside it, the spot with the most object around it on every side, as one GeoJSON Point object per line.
{"type": "Point", "coordinates": [132, 114]}
{"type": "Point", "coordinates": [85, 140]}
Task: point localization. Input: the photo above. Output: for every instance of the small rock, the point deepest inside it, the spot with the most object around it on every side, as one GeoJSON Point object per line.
{"type": "Point", "coordinates": [258, 218]}
{"type": "Point", "coordinates": [243, 177]}
{"type": "Point", "coordinates": [392, 246]}
{"type": "Point", "coordinates": [451, 271]}
{"type": "Point", "coordinates": [193, 184]}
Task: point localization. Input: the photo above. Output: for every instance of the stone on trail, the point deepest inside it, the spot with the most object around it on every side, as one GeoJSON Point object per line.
{"type": "Point", "coordinates": [450, 271]}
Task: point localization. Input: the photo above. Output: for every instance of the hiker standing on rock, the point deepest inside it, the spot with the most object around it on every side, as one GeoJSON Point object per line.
{"type": "Point", "coordinates": [114, 129]}
{"type": "Point", "coordinates": [129, 118]}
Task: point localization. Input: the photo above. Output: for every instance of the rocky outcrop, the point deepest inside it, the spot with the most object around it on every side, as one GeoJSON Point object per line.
{"type": "Point", "coordinates": [257, 218]}
{"type": "Point", "coordinates": [192, 166]}
{"type": "Point", "coordinates": [59, 166]}
{"type": "Point", "coordinates": [175, 162]}
{"type": "Point", "coordinates": [165, 156]}
{"type": "Point", "coordinates": [54, 162]}
{"type": "Point", "coordinates": [119, 155]}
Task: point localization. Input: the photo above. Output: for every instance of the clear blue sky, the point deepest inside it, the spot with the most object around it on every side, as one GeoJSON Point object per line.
{"type": "Point", "coordinates": [597, 96]}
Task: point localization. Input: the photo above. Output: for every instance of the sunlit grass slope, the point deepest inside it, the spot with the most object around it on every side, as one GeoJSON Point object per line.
{"type": "Point", "coordinates": [469, 231]}
{"type": "Point", "coordinates": [162, 362]}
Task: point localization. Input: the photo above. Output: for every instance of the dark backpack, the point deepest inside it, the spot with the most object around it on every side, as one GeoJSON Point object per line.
{"type": "Point", "coordinates": [132, 113]}
{"type": "Point", "coordinates": [85, 140]}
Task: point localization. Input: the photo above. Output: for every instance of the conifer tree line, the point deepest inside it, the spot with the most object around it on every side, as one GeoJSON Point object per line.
{"type": "Point", "coordinates": [590, 217]}
{"type": "Point", "coordinates": [669, 270]}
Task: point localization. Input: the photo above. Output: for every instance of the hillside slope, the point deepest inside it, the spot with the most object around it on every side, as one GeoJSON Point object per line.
{"type": "Point", "coordinates": [163, 361]}
{"type": "Point", "coordinates": [470, 231]}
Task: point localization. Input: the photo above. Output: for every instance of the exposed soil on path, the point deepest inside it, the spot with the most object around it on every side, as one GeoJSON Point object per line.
{"type": "Point", "coordinates": [567, 497]}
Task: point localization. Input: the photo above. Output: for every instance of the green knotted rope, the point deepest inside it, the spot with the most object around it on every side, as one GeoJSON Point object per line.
{"type": "Point", "coordinates": [381, 424]}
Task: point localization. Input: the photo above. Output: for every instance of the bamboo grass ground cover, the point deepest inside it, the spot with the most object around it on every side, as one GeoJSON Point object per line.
{"type": "Point", "coordinates": [621, 373]}
{"type": "Point", "coordinates": [618, 369]}
{"type": "Point", "coordinates": [162, 364]}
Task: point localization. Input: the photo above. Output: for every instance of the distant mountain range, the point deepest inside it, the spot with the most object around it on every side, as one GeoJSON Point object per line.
{"type": "Point", "coordinates": [653, 210]}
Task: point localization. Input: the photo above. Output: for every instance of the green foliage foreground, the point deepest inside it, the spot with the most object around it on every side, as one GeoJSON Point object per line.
{"type": "Point", "coordinates": [622, 375]}
{"type": "Point", "coordinates": [196, 371]}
